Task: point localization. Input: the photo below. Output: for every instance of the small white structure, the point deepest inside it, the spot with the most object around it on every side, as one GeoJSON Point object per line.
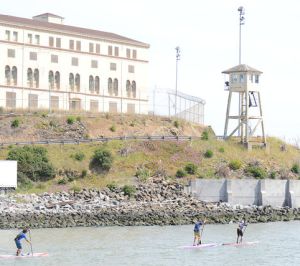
{"type": "Point", "coordinates": [243, 81]}
{"type": "Point", "coordinates": [8, 176]}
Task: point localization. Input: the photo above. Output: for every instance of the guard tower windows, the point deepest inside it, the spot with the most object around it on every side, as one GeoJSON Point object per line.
{"type": "Point", "coordinates": [256, 78]}
{"type": "Point", "coordinates": [242, 78]}
{"type": "Point", "coordinates": [234, 78]}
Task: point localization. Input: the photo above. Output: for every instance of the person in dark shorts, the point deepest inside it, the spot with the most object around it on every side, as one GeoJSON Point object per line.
{"type": "Point", "coordinates": [197, 234]}
{"type": "Point", "coordinates": [18, 238]}
{"type": "Point", "coordinates": [240, 230]}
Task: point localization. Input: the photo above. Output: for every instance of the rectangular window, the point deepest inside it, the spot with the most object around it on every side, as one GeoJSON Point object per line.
{"type": "Point", "coordinates": [256, 78]}
{"type": "Point", "coordinates": [94, 64]}
{"type": "Point", "coordinates": [58, 42]}
{"type": "Point", "coordinates": [54, 58]}
{"type": "Point", "coordinates": [75, 104]}
{"type": "Point", "coordinates": [33, 56]}
{"type": "Point", "coordinates": [130, 108]}
{"type": "Point", "coordinates": [113, 66]}
{"type": "Point", "coordinates": [11, 100]}
{"type": "Point", "coordinates": [94, 106]}
{"type": "Point", "coordinates": [74, 61]}
{"type": "Point", "coordinates": [51, 41]}
{"type": "Point", "coordinates": [29, 38]}
{"type": "Point", "coordinates": [71, 44]}
{"type": "Point", "coordinates": [128, 53]}
{"type": "Point", "coordinates": [131, 69]}
{"type": "Point", "coordinates": [91, 47]}
{"type": "Point", "coordinates": [98, 48]}
{"type": "Point", "coordinates": [7, 35]}
{"type": "Point", "coordinates": [15, 36]}
{"type": "Point", "coordinates": [54, 102]}
{"type": "Point", "coordinates": [134, 54]}
{"type": "Point", "coordinates": [242, 78]}
{"type": "Point", "coordinates": [116, 51]}
{"type": "Point", "coordinates": [37, 39]}
{"type": "Point", "coordinates": [113, 107]}
{"type": "Point", "coordinates": [11, 53]}
{"type": "Point", "coordinates": [78, 45]}
{"type": "Point", "coordinates": [32, 100]}
{"type": "Point", "coordinates": [109, 50]}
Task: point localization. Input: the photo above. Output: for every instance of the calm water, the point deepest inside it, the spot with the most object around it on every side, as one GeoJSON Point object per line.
{"type": "Point", "coordinates": [279, 244]}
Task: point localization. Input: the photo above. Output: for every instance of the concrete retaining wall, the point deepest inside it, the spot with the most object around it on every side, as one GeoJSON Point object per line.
{"type": "Point", "coordinates": [277, 193]}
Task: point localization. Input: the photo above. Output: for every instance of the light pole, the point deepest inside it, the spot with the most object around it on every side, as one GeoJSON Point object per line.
{"type": "Point", "coordinates": [177, 59]}
{"type": "Point", "coordinates": [242, 22]}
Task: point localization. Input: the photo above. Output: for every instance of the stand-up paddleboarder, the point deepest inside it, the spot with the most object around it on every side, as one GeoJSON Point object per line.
{"type": "Point", "coordinates": [198, 227]}
{"type": "Point", "coordinates": [240, 230]}
{"type": "Point", "coordinates": [18, 238]}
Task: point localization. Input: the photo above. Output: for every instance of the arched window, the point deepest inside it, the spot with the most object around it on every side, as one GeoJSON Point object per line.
{"type": "Point", "coordinates": [133, 88]}
{"type": "Point", "coordinates": [128, 88]}
{"type": "Point", "coordinates": [51, 80]}
{"type": "Point", "coordinates": [115, 87]}
{"type": "Point", "coordinates": [77, 82]}
{"type": "Point", "coordinates": [71, 81]}
{"type": "Point", "coordinates": [57, 80]}
{"type": "Point", "coordinates": [36, 77]}
{"type": "Point", "coordinates": [109, 86]}
{"type": "Point", "coordinates": [91, 84]}
{"type": "Point", "coordinates": [7, 75]}
{"type": "Point", "coordinates": [29, 78]}
{"type": "Point", "coordinates": [97, 84]}
{"type": "Point", "coordinates": [14, 75]}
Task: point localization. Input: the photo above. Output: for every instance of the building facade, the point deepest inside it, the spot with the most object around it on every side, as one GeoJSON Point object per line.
{"type": "Point", "coordinates": [45, 64]}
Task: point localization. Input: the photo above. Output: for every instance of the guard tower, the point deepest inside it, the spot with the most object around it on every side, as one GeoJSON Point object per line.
{"type": "Point", "coordinates": [242, 82]}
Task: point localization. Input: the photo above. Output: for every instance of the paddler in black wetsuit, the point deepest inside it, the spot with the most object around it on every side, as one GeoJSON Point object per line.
{"type": "Point", "coordinates": [240, 230]}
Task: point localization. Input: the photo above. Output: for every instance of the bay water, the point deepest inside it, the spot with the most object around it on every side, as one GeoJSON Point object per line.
{"type": "Point", "coordinates": [279, 244]}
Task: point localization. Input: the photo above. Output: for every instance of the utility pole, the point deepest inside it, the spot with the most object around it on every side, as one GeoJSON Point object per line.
{"type": "Point", "coordinates": [177, 59]}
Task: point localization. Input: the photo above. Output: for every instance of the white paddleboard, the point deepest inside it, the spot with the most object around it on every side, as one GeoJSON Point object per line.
{"type": "Point", "coordinates": [24, 256]}
{"type": "Point", "coordinates": [208, 245]}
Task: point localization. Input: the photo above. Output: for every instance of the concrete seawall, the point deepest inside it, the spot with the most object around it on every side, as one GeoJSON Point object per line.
{"type": "Point", "coordinates": [276, 193]}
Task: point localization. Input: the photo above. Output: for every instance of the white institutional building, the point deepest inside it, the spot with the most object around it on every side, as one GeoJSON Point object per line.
{"type": "Point", "coordinates": [45, 64]}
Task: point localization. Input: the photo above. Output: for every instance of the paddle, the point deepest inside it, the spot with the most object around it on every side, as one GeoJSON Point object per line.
{"type": "Point", "coordinates": [201, 235]}
{"type": "Point", "coordinates": [30, 243]}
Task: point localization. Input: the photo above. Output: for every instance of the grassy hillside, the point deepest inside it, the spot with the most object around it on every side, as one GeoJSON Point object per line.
{"type": "Point", "coordinates": [133, 160]}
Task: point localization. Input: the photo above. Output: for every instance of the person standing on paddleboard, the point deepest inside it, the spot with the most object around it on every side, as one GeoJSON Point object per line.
{"type": "Point", "coordinates": [240, 230]}
{"type": "Point", "coordinates": [18, 238]}
{"type": "Point", "coordinates": [197, 229]}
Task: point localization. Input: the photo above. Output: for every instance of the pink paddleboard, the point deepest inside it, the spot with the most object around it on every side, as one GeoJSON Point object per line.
{"type": "Point", "coordinates": [240, 244]}
{"type": "Point", "coordinates": [24, 256]}
{"type": "Point", "coordinates": [209, 245]}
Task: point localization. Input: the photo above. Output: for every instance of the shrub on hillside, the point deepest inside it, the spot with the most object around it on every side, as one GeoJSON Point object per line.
{"type": "Point", "coordinates": [15, 123]}
{"type": "Point", "coordinates": [273, 175]}
{"type": "Point", "coordinates": [235, 164]}
{"type": "Point", "coordinates": [205, 135]}
{"type": "Point", "coordinates": [295, 168]}
{"type": "Point", "coordinates": [221, 149]}
{"type": "Point", "coordinates": [70, 120]}
{"type": "Point", "coordinates": [112, 186]}
{"type": "Point", "coordinates": [129, 190]}
{"type": "Point", "coordinates": [33, 163]}
{"type": "Point", "coordinates": [176, 124]}
{"type": "Point", "coordinates": [143, 174]}
{"type": "Point", "coordinates": [103, 159]}
{"type": "Point", "coordinates": [78, 156]}
{"type": "Point", "coordinates": [112, 128]}
{"type": "Point", "coordinates": [191, 168]}
{"type": "Point", "coordinates": [208, 154]}
{"type": "Point", "coordinates": [256, 171]}
{"type": "Point", "coordinates": [180, 173]}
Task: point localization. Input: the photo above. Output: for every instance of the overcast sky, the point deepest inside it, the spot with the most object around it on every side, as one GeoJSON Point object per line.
{"type": "Point", "coordinates": [207, 33]}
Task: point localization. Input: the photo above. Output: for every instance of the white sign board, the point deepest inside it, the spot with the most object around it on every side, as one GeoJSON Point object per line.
{"type": "Point", "coordinates": [8, 174]}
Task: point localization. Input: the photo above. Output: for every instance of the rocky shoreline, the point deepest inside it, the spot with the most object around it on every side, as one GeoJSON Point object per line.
{"type": "Point", "coordinates": [156, 203]}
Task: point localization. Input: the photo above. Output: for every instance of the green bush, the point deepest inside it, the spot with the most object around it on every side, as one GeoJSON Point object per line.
{"type": "Point", "coordinates": [205, 135]}
{"type": "Point", "coordinates": [84, 173]}
{"type": "Point", "coordinates": [295, 168]}
{"type": "Point", "coordinates": [191, 168]}
{"type": "Point", "coordinates": [176, 124]}
{"type": "Point", "coordinates": [208, 154]}
{"type": "Point", "coordinates": [71, 120]}
{"type": "Point", "coordinates": [143, 174]}
{"type": "Point", "coordinates": [111, 186]}
{"type": "Point", "coordinates": [62, 181]}
{"type": "Point", "coordinates": [129, 190]}
{"type": "Point", "coordinates": [15, 123]}
{"type": "Point", "coordinates": [181, 173]}
{"type": "Point", "coordinates": [103, 159]}
{"type": "Point", "coordinates": [222, 150]}
{"type": "Point", "coordinates": [273, 175]}
{"type": "Point", "coordinates": [256, 171]}
{"type": "Point", "coordinates": [235, 164]}
{"type": "Point", "coordinates": [33, 163]}
{"type": "Point", "coordinates": [112, 128]}
{"type": "Point", "coordinates": [79, 156]}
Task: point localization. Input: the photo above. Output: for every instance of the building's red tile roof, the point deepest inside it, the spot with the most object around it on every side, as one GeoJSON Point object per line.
{"type": "Point", "coordinates": [43, 25]}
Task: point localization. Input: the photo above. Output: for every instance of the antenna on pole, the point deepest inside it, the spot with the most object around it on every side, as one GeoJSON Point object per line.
{"type": "Point", "coordinates": [177, 48]}
{"type": "Point", "coordinates": [242, 22]}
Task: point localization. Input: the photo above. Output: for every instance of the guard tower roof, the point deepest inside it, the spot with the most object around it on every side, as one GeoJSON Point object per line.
{"type": "Point", "coordinates": [242, 68]}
